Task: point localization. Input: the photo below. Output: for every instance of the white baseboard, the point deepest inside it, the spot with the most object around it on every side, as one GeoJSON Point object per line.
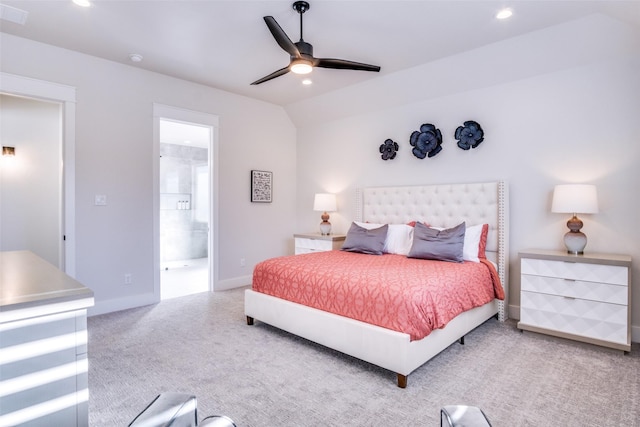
{"type": "Point", "coordinates": [514, 312]}
{"type": "Point", "coordinates": [236, 282]}
{"type": "Point", "coordinates": [635, 333]}
{"type": "Point", "coordinates": [119, 304]}
{"type": "Point", "coordinates": [125, 303]}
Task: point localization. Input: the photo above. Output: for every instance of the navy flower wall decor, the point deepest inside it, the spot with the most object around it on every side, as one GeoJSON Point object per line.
{"type": "Point", "coordinates": [388, 149]}
{"type": "Point", "coordinates": [470, 135]}
{"type": "Point", "coordinates": [426, 142]}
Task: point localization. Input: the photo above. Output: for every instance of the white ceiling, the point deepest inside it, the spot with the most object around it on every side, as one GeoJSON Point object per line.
{"type": "Point", "coordinates": [226, 44]}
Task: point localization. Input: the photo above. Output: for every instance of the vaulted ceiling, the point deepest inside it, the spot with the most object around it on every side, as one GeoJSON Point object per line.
{"type": "Point", "coordinates": [226, 44]}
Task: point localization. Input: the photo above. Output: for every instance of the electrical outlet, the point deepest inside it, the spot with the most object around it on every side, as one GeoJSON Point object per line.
{"type": "Point", "coordinates": [242, 262]}
{"type": "Point", "coordinates": [127, 279]}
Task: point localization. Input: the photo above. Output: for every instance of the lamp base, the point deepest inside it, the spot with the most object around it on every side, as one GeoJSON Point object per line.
{"type": "Point", "coordinates": [325, 228]}
{"type": "Point", "coordinates": [575, 241]}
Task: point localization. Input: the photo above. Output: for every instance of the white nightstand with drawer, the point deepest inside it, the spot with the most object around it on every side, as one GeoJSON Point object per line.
{"type": "Point", "coordinates": [580, 297]}
{"type": "Point", "coordinates": [316, 242]}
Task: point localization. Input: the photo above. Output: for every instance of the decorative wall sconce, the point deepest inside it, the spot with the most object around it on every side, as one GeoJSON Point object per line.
{"type": "Point", "coordinates": [8, 151]}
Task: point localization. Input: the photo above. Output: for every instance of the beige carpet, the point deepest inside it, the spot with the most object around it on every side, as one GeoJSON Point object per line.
{"type": "Point", "coordinates": [260, 376]}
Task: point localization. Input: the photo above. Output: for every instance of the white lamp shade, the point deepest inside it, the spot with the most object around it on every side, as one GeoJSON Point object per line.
{"type": "Point", "coordinates": [575, 198]}
{"type": "Point", "coordinates": [325, 202]}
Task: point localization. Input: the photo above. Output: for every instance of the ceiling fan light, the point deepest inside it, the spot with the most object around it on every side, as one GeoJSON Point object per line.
{"type": "Point", "coordinates": [301, 67]}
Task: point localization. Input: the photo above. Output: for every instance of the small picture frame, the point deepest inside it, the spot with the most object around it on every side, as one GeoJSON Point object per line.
{"type": "Point", "coordinates": [261, 186]}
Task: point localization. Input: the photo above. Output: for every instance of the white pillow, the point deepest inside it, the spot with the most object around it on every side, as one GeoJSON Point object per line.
{"type": "Point", "coordinates": [472, 243]}
{"type": "Point", "coordinates": [471, 246]}
{"type": "Point", "coordinates": [368, 225]}
{"type": "Point", "coordinates": [399, 237]}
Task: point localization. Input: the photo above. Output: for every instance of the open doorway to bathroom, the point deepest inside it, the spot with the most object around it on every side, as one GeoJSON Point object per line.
{"type": "Point", "coordinates": [185, 191]}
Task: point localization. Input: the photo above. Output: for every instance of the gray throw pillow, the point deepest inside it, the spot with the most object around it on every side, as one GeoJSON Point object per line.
{"type": "Point", "coordinates": [441, 245]}
{"type": "Point", "coordinates": [359, 239]}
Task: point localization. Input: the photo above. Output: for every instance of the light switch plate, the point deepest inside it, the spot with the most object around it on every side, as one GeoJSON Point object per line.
{"type": "Point", "coordinates": [101, 200]}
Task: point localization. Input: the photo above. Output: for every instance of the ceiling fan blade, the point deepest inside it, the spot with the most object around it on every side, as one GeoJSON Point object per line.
{"type": "Point", "coordinates": [273, 75]}
{"type": "Point", "coordinates": [343, 64]}
{"type": "Point", "coordinates": [281, 37]}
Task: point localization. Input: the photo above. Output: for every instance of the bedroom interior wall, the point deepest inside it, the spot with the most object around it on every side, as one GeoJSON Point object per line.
{"type": "Point", "coordinates": [576, 124]}
{"type": "Point", "coordinates": [114, 137]}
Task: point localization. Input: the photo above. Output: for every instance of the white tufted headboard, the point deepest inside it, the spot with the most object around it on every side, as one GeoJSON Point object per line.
{"type": "Point", "coordinates": [445, 205]}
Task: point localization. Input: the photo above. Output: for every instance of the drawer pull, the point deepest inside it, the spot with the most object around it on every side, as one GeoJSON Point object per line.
{"type": "Point", "coordinates": [566, 297]}
{"type": "Point", "coordinates": [569, 280]}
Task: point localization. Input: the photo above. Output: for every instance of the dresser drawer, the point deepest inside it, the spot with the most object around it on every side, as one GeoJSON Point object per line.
{"type": "Point", "coordinates": [594, 291]}
{"type": "Point", "coordinates": [602, 273]}
{"type": "Point", "coordinates": [603, 321]}
{"type": "Point", "coordinates": [313, 245]}
{"type": "Point", "coordinates": [300, 250]}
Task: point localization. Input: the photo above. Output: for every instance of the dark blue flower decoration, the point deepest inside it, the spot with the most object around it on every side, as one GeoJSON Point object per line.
{"type": "Point", "coordinates": [470, 135]}
{"type": "Point", "coordinates": [426, 142]}
{"type": "Point", "coordinates": [389, 149]}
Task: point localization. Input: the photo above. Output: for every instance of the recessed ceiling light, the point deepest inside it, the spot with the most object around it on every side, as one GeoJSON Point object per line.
{"type": "Point", "coordinates": [307, 82]}
{"type": "Point", "coordinates": [504, 13]}
{"type": "Point", "coordinates": [83, 3]}
{"type": "Point", "coordinates": [135, 57]}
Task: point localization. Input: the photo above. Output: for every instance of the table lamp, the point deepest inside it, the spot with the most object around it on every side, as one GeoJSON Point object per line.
{"type": "Point", "coordinates": [325, 202]}
{"type": "Point", "coordinates": [575, 199]}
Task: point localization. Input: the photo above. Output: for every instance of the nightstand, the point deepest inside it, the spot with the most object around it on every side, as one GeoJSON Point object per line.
{"type": "Point", "coordinates": [580, 297]}
{"type": "Point", "coordinates": [316, 242]}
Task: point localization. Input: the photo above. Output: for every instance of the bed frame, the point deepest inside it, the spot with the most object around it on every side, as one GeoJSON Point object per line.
{"type": "Point", "coordinates": [439, 205]}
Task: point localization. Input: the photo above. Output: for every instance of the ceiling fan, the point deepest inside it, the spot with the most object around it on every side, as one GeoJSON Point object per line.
{"type": "Point", "coordinates": [302, 59]}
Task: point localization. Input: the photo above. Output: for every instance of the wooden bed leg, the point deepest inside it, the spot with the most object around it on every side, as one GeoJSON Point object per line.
{"type": "Point", "coordinates": [249, 320]}
{"type": "Point", "coordinates": [462, 340]}
{"type": "Point", "coordinates": [402, 381]}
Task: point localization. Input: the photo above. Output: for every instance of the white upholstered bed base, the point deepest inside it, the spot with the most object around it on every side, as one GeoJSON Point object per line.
{"type": "Point", "coordinates": [439, 205]}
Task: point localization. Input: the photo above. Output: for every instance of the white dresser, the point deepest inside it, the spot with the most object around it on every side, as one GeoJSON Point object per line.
{"type": "Point", "coordinates": [316, 242]}
{"type": "Point", "coordinates": [581, 297]}
{"type": "Point", "coordinates": [43, 344]}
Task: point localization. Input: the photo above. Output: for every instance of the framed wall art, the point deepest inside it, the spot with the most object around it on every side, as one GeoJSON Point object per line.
{"type": "Point", "coordinates": [261, 186]}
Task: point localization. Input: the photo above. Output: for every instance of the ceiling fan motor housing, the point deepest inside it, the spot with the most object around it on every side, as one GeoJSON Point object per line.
{"type": "Point", "coordinates": [305, 49]}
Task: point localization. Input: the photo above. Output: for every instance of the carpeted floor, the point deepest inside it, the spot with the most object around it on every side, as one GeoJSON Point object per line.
{"type": "Point", "coordinates": [260, 376]}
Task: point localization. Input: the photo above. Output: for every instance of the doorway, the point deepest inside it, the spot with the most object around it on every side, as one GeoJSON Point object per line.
{"type": "Point", "coordinates": [185, 201]}
{"type": "Point", "coordinates": [31, 180]}
{"type": "Point", "coordinates": [184, 208]}
{"type": "Point", "coordinates": [61, 250]}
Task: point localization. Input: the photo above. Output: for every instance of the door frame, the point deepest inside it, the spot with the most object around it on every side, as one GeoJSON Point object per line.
{"type": "Point", "coordinates": [161, 111]}
{"type": "Point", "coordinates": [12, 84]}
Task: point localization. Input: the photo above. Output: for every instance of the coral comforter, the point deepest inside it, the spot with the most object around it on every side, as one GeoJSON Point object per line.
{"type": "Point", "coordinates": [403, 294]}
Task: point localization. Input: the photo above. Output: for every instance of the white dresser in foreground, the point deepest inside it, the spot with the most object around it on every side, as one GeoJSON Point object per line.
{"type": "Point", "coordinates": [43, 344]}
{"type": "Point", "coordinates": [316, 242]}
{"type": "Point", "coordinates": [580, 297]}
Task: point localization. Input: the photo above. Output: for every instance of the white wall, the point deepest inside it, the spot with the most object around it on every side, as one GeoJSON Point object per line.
{"type": "Point", "coordinates": [576, 124]}
{"type": "Point", "coordinates": [30, 182]}
{"type": "Point", "coordinates": [114, 142]}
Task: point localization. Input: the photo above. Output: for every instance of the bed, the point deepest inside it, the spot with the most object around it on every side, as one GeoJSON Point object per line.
{"type": "Point", "coordinates": [442, 205]}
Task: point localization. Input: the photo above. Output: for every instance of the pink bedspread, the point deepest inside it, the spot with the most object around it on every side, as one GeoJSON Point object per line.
{"type": "Point", "coordinates": [392, 291]}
